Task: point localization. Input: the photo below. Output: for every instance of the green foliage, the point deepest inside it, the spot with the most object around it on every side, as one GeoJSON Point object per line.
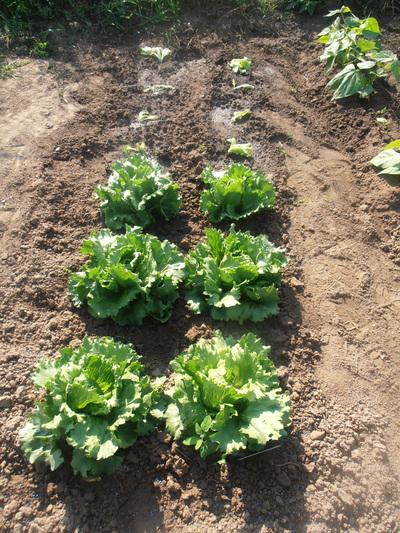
{"type": "Point", "coordinates": [138, 191]}
{"type": "Point", "coordinates": [158, 90]}
{"type": "Point", "coordinates": [245, 87]}
{"type": "Point", "coordinates": [8, 69]}
{"type": "Point", "coordinates": [234, 277]}
{"type": "Point", "coordinates": [304, 6]}
{"type": "Point", "coordinates": [128, 277]}
{"type": "Point", "coordinates": [226, 397]}
{"type": "Point", "coordinates": [155, 51]}
{"type": "Point", "coordinates": [146, 116]}
{"type": "Point", "coordinates": [388, 161]}
{"type": "Point", "coordinates": [239, 116]}
{"type": "Point", "coordinates": [235, 193]}
{"type": "Point", "coordinates": [240, 149]}
{"type": "Point", "coordinates": [97, 402]}
{"type": "Point", "coordinates": [355, 45]}
{"type": "Point", "coordinates": [39, 49]}
{"type": "Point", "coordinates": [22, 18]}
{"type": "Point", "coordinates": [241, 66]}
{"type": "Point", "coordinates": [366, 6]}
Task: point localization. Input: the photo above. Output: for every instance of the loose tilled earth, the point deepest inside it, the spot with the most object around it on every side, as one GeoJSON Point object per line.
{"type": "Point", "coordinates": [336, 340]}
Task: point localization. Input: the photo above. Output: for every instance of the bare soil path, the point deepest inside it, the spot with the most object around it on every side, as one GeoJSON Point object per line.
{"type": "Point", "coordinates": [336, 339]}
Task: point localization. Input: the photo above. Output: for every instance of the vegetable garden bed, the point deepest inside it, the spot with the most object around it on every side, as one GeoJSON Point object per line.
{"type": "Point", "coordinates": [333, 214]}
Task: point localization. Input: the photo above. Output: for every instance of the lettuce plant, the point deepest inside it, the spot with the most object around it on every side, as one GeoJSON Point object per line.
{"type": "Point", "coordinates": [245, 87]}
{"type": "Point", "coordinates": [234, 277]}
{"type": "Point", "coordinates": [155, 51]}
{"type": "Point", "coordinates": [128, 277]}
{"type": "Point", "coordinates": [235, 193]}
{"type": "Point", "coordinates": [355, 45]}
{"type": "Point", "coordinates": [96, 402]}
{"type": "Point", "coordinates": [138, 190]}
{"type": "Point", "coordinates": [388, 161]}
{"type": "Point", "coordinates": [146, 116]}
{"type": "Point", "coordinates": [240, 149]}
{"type": "Point", "coordinates": [226, 397]}
{"type": "Point", "coordinates": [240, 65]}
{"type": "Point", "coordinates": [239, 116]}
{"type": "Point", "coordinates": [158, 90]}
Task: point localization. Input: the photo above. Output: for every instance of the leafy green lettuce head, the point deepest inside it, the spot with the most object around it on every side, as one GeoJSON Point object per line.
{"type": "Point", "coordinates": [235, 193]}
{"type": "Point", "coordinates": [97, 401]}
{"type": "Point", "coordinates": [234, 277]}
{"type": "Point", "coordinates": [128, 277]}
{"type": "Point", "coordinates": [156, 51]}
{"type": "Point", "coordinates": [240, 149]}
{"type": "Point", "coordinates": [240, 65]}
{"type": "Point", "coordinates": [138, 191]}
{"type": "Point", "coordinates": [226, 397]}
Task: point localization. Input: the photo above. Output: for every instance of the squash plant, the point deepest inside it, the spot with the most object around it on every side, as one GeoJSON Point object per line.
{"type": "Point", "coordinates": [355, 45]}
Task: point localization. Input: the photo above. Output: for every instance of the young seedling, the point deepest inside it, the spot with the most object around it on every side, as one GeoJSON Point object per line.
{"type": "Point", "coordinates": [245, 87]}
{"type": "Point", "coordinates": [239, 116]}
{"type": "Point", "coordinates": [388, 161]}
{"type": "Point", "coordinates": [240, 149]}
{"type": "Point", "coordinates": [155, 51]}
{"type": "Point", "coordinates": [145, 116]}
{"type": "Point", "coordinates": [241, 66]}
{"type": "Point", "coordinates": [158, 90]}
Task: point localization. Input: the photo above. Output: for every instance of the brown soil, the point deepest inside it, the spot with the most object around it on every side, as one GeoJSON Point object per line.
{"type": "Point", "coordinates": [336, 339]}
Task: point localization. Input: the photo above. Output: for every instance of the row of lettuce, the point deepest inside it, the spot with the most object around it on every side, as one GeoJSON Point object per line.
{"type": "Point", "coordinates": [223, 395]}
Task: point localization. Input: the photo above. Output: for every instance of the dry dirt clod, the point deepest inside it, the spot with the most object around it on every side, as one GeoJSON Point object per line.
{"type": "Point", "coordinates": [284, 480]}
{"type": "Point", "coordinates": [5, 402]}
{"type": "Point", "coordinates": [317, 435]}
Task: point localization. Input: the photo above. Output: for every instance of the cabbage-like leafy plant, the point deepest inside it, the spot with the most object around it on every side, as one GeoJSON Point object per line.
{"type": "Point", "coordinates": [241, 65]}
{"type": "Point", "coordinates": [239, 116]}
{"type": "Point", "coordinates": [128, 277]}
{"type": "Point", "coordinates": [240, 149]}
{"type": "Point", "coordinates": [235, 193]}
{"type": "Point", "coordinates": [157, 52]}
{"type": "Point", "coordinates": [146, 116]}
{"type": "Point", "coordinates": [97, 402]}
{"type": "Point", "coordinates": [138, 191]}
{"type": "Point", "coordinates": [234, 277]}
{"type": "Point", "coordinates": [226, 397]}
{"type": "Point", "coordinates": [388, 161]}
